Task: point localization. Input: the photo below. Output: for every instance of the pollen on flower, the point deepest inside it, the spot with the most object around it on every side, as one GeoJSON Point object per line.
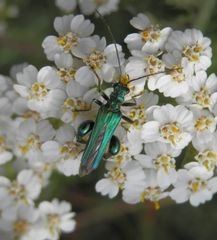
{"type": "Point", "coordinates": [156, 205]}
{"type": "Point", "coordinates": [31, 114]}
{"type": "Point", "coordinates": [165, 162]}
{"type": "Point", "coordinates": [95, 60]}
{"type": "Point", "coordinates": [53, 221]}
{"type": "Point", "coordinates": [197, 185]}
{"type": "Point", "coordinates": [31, 142]}
{"type": "Point", "coordinates": [68, 41]}
{"type": "Point", "coordinates": [138, 116]}
{"type": "Point", "coordinates": [66, 75]}
{"type": "Point", "coordinates": [154, 64]}
{"type": "Point", "coordinates": [21, 227]}
{"type": "Point", "coordinates": [38, 91]}
{"type": "Point", "coordinates": [151, 34]}
{"type": "Point", "coordinates": [202, 97]}
{"type": "Point", "coordinates": [193, 52]}
{"type": "Point", "coordinates": [152, 194]}
{"type": "Point", "coordinates": [17, 191]}
{"type": "Point", "coordinates": [171, 132]}
{"type": "Point", "coordinates": [124, 79]}
{"type": "Point", "coordinates": [117, 176]}
{"type": "Point", "coordinates": [208, 159]}
{"type": "Point", "coordinates": [177, 73]}
{"type": "Point", "coordinates": [71, 149]}
{"type": "Point", "coordinates": [75, 105]}
{"type": "Point", "coordinates": [203, 123]}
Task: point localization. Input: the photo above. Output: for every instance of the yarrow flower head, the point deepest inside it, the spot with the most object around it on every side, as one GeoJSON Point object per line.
{"type": "Point", "coordinates": [159, 103]}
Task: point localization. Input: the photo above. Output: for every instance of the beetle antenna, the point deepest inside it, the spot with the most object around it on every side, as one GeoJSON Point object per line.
{"type": "Point", "coordinates": [112, 37]}
{"type": "Point", "coordinates": [151, 74]}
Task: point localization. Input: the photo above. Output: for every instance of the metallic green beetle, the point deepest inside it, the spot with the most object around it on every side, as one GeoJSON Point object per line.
{"type": "Point", "coordinates": [107, 120]}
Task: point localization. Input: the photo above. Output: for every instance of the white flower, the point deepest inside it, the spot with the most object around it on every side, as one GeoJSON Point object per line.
{"type": "Point", "coordinates": [7, 208]}
{"type": "Point", "coordinates": [6, 140]}
{"type": "Point", "coordinates": [73, 33]}
{"type": "Point", "coordinates": [204, 124]}
{"type": "Point", "coordinates": [68, 72]}
{"type": "Point", "coordinates": [99, 59]}
{"type": "Point", "coordinates": [170, 125]}
{"type": "Point", "coordinates": [175, 81]}
{"type": "Point", "coordinates": [24, 189]}
{"type": "Point", "coordinates": [66, 5]}
{"type": "Point", "coordinates": [30, 136]}
{"type": "Point", "coordinates": [138, 113]}
{"type": "Point", "coordinates": [65, 152]}
{"type": "Point", "coordinates": [202, 91]}
{"type": "Point", "coordinates": [193, 46]}
{"type": "Point", "coordinates": [103, 6]}
{"type": "Point", "coordinates": [43, 90]}
{"type": "Point", "coordinates": [195, 185]}
{"type": "Point", "coordinates": [160, 156]}
{"type": "Point", "coordinates": [141, 66]}
{"type": "Point", "coordinates": [206, 146]}
{"type": "Point", "coordinates": [150, 39]}
{"type": "Point", "coordinates": [118, 177]}
{"type": "Point", "coordinates": [22, 222]}
{"type": "Point", "coordinates": [7, 96]}
{"type": "Point", "coordinates": [150, 190]}
{"type": "Point", "coordinates": [57, 217]}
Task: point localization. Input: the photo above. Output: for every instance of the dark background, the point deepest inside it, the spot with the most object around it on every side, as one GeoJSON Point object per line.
{"type": "Point", "coordinates": [97, 216]}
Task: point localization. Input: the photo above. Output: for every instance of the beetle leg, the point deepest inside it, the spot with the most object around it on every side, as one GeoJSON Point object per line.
{"type": "Point", "coordinates": [104, 96]}
{"type": "Point", "coordinates": [97, 101]}
{"type": "Point", "coordinates": [127, 119]}
{"type": "Point", "coordinates": [129, 104]}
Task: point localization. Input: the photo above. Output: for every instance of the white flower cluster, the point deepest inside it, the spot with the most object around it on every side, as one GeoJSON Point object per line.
{"type": "Point", "coordinates": [88, 7]}
{"type": "Point", "coordinates": [7, 10]}
{"type": "Point", "coordinates": [41, 110]}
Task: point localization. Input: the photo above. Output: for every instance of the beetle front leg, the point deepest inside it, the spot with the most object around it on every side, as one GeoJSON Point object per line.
{"type": "Point", "coordinates": [127, 119]}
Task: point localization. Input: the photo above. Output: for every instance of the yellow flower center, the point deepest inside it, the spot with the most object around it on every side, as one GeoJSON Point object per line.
{"type": "Point", "coordinates": [38, 91]}
{"type": "Point", "coordinates": [208, 159]}
{"type": "Point", "coordinates": [68, 41]}
{"type": "Point", "coordinates": [123, 155]}
{"type": "Point", "coordinates": [66, 75]}
{"type": "Point", "coordinates": [197, 185]}
{"type": "Point", "coordinates": [171, 132]}
{"type": "Point", "coordinates": [193, 52]}
{"type": "Point", "coordinates": [75, 105]}
{"type": "Point", "coordinates": [177, 73]}
{"type": "Point", "coordinates": [95, 60]}
{"type": "Point", "coordinates": [151, 34]}
{"type": "Point", "coordinates": [53, 222]}
{"type": "Point", "coordinates": [152, 194]}
{"type": "Point", "coordinates": [18, 192]}
{"type": "Point", "coordinates": [31, 114]}
{"type": "Point", "coordinates": [203, 123]}
{"type": "Point", "coordinates": [155, 65]}
{"type": "Point", "coordinates": [165, 162]}
{"type": "Point", "coordinates": [203, 98]}
{"type": "Point", "coordinates": [71, 149]}
{"type": "Point", "coordinates": [21, 227]}
{"type": "Point", "coordinates": [117, 177]}
{"type": "Point", "coordinates": [138, 116]}
{"type": "Point", "coordinates": [31, 143]}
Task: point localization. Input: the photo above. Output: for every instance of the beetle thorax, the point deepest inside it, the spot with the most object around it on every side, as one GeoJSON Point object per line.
{"type": "Point", "coordinates": [117, 97]}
